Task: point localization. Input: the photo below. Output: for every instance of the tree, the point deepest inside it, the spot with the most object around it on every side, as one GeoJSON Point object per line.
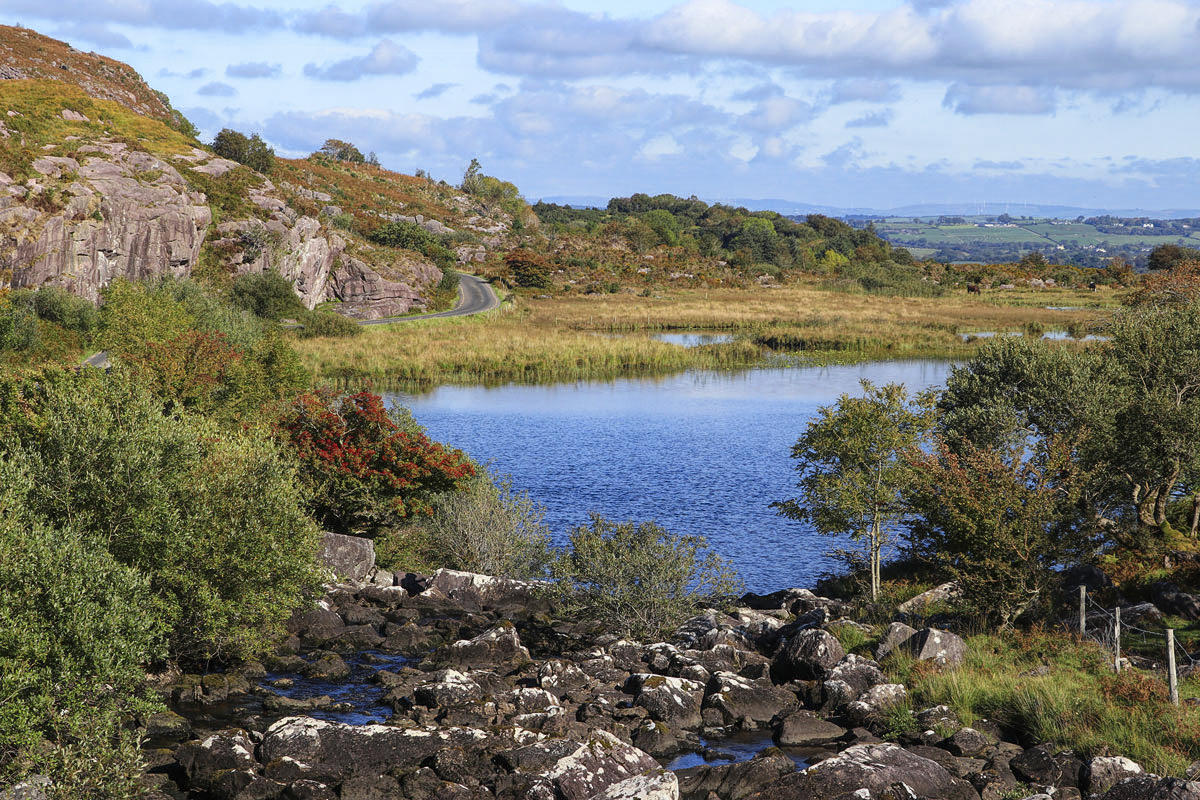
{"type": "Point", "coordinates": [1168, 256]}
{"type": "Point", "coordinates": [998, 521]}
{"type": "Point", "coordinates": [528, 269]}
{"type": "Point", "coordinates": [366, 468]}
{"type": "Point", "coordinates": [339, 150]}
{"type": "Point", "coordinates": [1177, 287]}
{"type": "Point", "coordinates": [267, 295]}
{"type": "Point", "coordinates": [472, 179]}
{"type": "Point", "coordinates": [638, 579]}
{"type": "Point", "coordinates": [853, 470]}
{"type": "Point", "coordinates": [251, 151]}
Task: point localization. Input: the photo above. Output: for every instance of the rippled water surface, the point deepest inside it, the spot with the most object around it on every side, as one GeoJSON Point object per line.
{"type": "Point", "coordinates": [700, 452]}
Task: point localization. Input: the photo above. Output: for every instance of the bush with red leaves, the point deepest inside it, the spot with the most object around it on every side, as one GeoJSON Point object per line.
{"type": "Point", "coordinates": [367, 469]}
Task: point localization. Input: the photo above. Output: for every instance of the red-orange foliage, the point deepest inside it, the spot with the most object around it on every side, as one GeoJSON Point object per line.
{"type": "Point", "coordinates": [189, 369]}
{"type": "Point", "coordinates": [1176, 287]}
{"type": "Point", "coordinates": [366, 468]}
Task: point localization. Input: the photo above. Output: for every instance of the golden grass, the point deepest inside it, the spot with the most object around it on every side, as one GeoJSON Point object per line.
{"type": "Point", "coordinates": [577, 337]}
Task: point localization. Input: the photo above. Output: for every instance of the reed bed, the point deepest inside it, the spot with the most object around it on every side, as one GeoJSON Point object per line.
{"type": "Point", "coordinates": [577, 337]}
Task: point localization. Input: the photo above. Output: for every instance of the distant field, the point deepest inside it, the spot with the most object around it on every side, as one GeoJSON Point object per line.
{"type": "Point", "coordinates": [1078, 242]}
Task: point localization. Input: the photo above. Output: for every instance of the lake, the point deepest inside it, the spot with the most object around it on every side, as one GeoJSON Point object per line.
{"type": "Point", "coordinates": [700, 453]}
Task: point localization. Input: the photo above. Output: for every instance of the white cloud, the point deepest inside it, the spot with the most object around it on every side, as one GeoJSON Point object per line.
{"type": "Point", "coordinates": [386, 58]}
{"type": "Point", "coordinates": [965, 99]}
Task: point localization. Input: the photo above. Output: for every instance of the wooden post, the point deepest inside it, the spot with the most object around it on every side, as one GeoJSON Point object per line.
{"type": "Point", "coordinates": [1117, 640]}
{"type": "Point", "coordinates": [1082, 610]}
{"type": "Point", "coordinates": [1172, 678]}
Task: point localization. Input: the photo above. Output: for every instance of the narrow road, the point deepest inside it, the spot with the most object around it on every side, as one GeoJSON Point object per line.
{"type": "Point", "coordinates": [475, 297]}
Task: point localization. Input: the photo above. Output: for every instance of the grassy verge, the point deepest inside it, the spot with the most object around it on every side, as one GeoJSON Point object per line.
{"type": "Point", "coordinates": [1050, 687]}
{"type": "Point", "coordinates": [551, 339]}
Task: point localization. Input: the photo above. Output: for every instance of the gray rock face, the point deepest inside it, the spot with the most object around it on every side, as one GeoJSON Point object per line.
{"type": "Point", "coordinates": [735, 781]}
{"type": "Point", "coordinates": [570, 770]}
{"type": "Point", "coordinates": [480, 592]}
{"type": "Point", "coordinates": [897, 634]}
{"type": "Point", "coordinates": [1104, 772]}
{"type": "Point", "coordinates": [922, 603]}
{"type": "Point", "coordinates": [204, 761]}
{"type": "Point", "coordinates": [498, 648]}
{"type": "Point", "coordinates": [744, 702]}
{"type": "Point", "coordinates": [125, 214]}
{"type": "Point", "coordinates": [673, 701]}
{"type": "Point", "coordinates": [874, 767]}
{"type": "Point", "coordinates": [806, 729]}
{"type": "Point", "coordinates": [348, 557]}
{"type": "Point", "coordinates": [941, 647]}
{"type": "Point", "coordinates": [32, 789]}
{"type": "Point", "coordinates": [809, 655]}
{"type": "Point", "coordinates": [365, 294]}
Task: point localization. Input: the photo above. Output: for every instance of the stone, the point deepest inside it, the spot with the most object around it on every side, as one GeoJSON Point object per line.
{"type": "Point", "coordinates": [877, 768]}
{"type": "Point", "coordinates": [806, 729]}
{"type": "Point", "coordinates": [348, 557]}
{"type": "Point", "coordinates": [926, 601]}
{"type": "Point", "coordinates": [572, 770]}
{"type": "Point", "coordinates": [204, 761]}
{"type": "Point", "coordinates": [874, 701]}
{"type": "Point", "coordinates": [673, 701]}
{"type": "Point", "coordinates": [321, 624]}
{"type": "Point", "coordinates": [474, 592]}
{"type": "Point", "coordinates": [328, 667]}
{"type": "Point", "coordinates": [73, 116]}
{"type": "Point", "coordinates": [1171, 599]}
{"type": "Point", "coordinates": [734, 781]}
{"type": "Point", "coordinates": [1152, 787]}
{"type": "Point", "coordinates": [448, 689]}
{"type": "Point", "coordinates": [808, 655]}
{"type": "Point", "coordinates": [858, 673]}
{"type": "Point", "coordinates": [941, 647]}
{"type": "Point", "coordinates": [310, 790]}
{"type": "Point", "coordinates": [968, 742]}
{"type": "Point", "coordinates": [497, 648]}
{"type": "Point", "coordinates": [1104, 772]}
{"type": "Point", "coordinates": [169, 726]}
{"type": "Point", "coordinates": [745, 702]}
{"type": "Point", "coordinates": [1142, 614]}
{"type": "Point", "coordinates": [333, 751]}
{"type": "Point", "coordinates": [244, 785]}
{"type": "Point", "coordinates": [1084, 575]}
{"type": "Point", "coordinates": [897, 634]}
{"type": "Point", "coordinates": [1044, 766]}
{"type": "Point", "coordinates": [34, 787]}
{"type": "Point", "coordinates": [365, 294]}
{"type": "Point", "coordinates": [662, 785]}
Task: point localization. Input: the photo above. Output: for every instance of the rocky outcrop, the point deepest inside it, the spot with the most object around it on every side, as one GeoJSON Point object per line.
{"type": "Point", "coordinates": [347, 557]}
{"type": "Point", "coordinates": [876, 768]}
{"type": "Point", "coordinates": [113, 213]}
{"type": "Point", "coordinates": [365, 294]}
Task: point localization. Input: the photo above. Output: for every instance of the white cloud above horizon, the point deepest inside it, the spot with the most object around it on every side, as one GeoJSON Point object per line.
{"type": "Point", "coordinates": [863, 104]}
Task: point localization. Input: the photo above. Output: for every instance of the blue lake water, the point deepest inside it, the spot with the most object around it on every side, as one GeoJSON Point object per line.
{"type": "Point", "coordinates": [699, 453]}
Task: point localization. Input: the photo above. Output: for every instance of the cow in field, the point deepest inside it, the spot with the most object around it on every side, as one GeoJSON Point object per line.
{"type": "Point", "coordinates": [974, 288]}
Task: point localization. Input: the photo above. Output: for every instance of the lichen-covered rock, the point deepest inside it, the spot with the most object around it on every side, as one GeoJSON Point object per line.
{"type": "Point", "coordinates": [673, 701]}
{"type": "Point", "coordinates": [896, 635]}
{"type": "Point", "coordinates": [871, 703]}
{"type": "Point", "coordinates": [806, 729]}
{"type": "Point", "coordinates": [448, 689]}
{"type": "Point", "coordinates": [348, 557]}
{"type": "Point", "coordinates": [873, 767]}
{"type": "Point", "coordinates": [365, 294]}
{"type": "Point", "coordinates": [497, 648]}
{"type": "Point", "coordinates": [204, 761]}
{"type": "Point", "coordinates": [474, 592]}
{"type": "Point", "coordinates": [941, 647]}
{"type": "Point", "coordinates": [745, 702]}
{"type": "Point", "coordinates": [1045, 765]}
{"type": "Point", "coordinates": [662, 785]}
{"type": "Point", "coordinates": [735, 781]}
{"type": "Point", "coordinates": [1152, 787]}
{"type": "Point", "coordinates": [922, 603]}
{"type": "Point", "coordinates": [332, 751]}
{"type": "Point", "coordinates": [570, 770]}
{"type": "Point", "coordinates": [1104, 772]}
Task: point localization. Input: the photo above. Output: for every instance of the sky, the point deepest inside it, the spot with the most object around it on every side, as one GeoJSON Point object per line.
{"type": "Point", "coordinates": [863, 103]}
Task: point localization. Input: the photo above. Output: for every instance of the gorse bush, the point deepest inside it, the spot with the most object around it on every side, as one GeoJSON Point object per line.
{"type": "Point", "coordinates": [212, 518]}
{"type": "Point", "coordinates": [638, 579]}
{"type": "Point", "coordinates": [366, 468]}
{"type": "Point", "coordinates": [491, 529]}
{"type": "Point", "coordinates": [327, 323]}
{"type": "Point", "coordinates": [267, 295]}
{"type": "Point", "coordinates": [411, 236]}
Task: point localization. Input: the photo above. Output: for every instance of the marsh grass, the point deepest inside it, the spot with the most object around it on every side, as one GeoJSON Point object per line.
{"type": "Point", "coordinates": [555, 339]}
{"type": "Point", "coordinates": [1075, 701]}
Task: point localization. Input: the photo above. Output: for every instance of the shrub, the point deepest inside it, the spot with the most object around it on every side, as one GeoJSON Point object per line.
{"type": "Point", "coordinates": [57, 305]}
{"type": "Point", "coordinates": [267, 295]}
{"type": "Point", "coordinates": [638, 579]}
{"type": "Point", "coordinates": [18, 327]}
{"type": "Point", "coordinates": [327, 323]}
{"type": "Point", "coordinates": [339, 150]}
{"type": "Point", "coordinates": [213, 518]}
{"type": "Point", "coordinates": [411, 236]}
{"type": "Point", "coordinates": [449, 281]}
{"type": "Point", "coordinates": [73, 638]}
{"type": "Point", "coordinates": [528, 269]}
{"type": "Point", "coordinates": [367, 468]}
{"type": "Point", "coordinates": [251, 151]}
{"type": "Point", "coordinates": [490, 528]}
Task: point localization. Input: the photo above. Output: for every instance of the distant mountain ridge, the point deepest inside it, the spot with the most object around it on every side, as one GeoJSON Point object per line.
{"type": "Point", "coordinates": [791, 207]}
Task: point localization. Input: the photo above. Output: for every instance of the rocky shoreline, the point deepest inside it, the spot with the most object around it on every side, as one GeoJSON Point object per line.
{"type": "Point", "coordinates": [487, 695]}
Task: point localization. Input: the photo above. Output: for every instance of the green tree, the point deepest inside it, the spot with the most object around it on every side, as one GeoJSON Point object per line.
{"type": "Point", "coordinates": [528, 269]}
{"type": "Point", "coordinates": [1168, 256]}
{"type": "Point", "coordinates": [853, 468]}
{"type": "Point", "coordinates": [472, 180]}
{"type": "Point", "coordinates": [638, 579]}
{"type": "Point", "coordinates": [340, 150]}
{"type": "Point", "coordinates": [999, 521]}
{"type": "Point", "coordinates": [267, 295]}
{"type": "Point", "coordinates": [251, 151]}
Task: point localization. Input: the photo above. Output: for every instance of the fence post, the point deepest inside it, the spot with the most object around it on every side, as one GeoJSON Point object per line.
{"type": "Point", "coordinates": [1117, 640]}
{"type": "Point", "coordinates": [1082, 610]}
{"type": "Point", "coordinates": [1172, 678]}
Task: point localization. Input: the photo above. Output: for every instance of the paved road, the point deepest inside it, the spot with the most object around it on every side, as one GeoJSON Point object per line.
{"type": "Point", "coordinates": [475, 297]}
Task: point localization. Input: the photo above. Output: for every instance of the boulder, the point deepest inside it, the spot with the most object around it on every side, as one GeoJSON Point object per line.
{"type": "Point", "coordinates": [348, 557]}
{"type": "Point", "coordinates": [941, 647]}
{"type": "Point", "coordinates": [570, 770]}
{"type": "Point", "coordinates": [448, 689]}
{"type": "Point", "coordinates": [203, 761]}
{"type": "Point", "coordinates": [1152, 787]}
{"type": "Point", "coordinates": [809, 655]}
{"type": "Point", "coordinates": [1142, 614]}
{"type": "Point", "coordinates": [858, 673]}
{"type": "Point", "coordinates": [672, 701]}
{"type": "Point", "coordinates": [746, 702]}
{"type": "Point", "coordinates": [34, 787]}
{"type": "Point", "coordinates": [499, 648]}
{"type": "Point", "coordinates": [474, 592]}
{"type": "Point", "coordinates": [871, 703]}
{"type": "Point", "coordinates": [1044, 765]}
{"type": "Point", "coordinates": [1104, 772]}
{"type": "Point", "coordinates": [968, 742]}
{"type": "Point", "coordinates": [806, 729]}
{"type": "Point", "coordinates": [661, 785]}
{"type": "Point", "coordinates": [734, 781]}
{"type": "Point", "coordinates": [1087, 575]}
{"type": "Point", "coordinates": [873, 767]}
{"type": "Point", "coordinates": [333, 751]}
{"type": "Point", "coordinates": [925, 601]}
{"type": "Point", "coordinates": [897, 634]}
{"type": "Point", "coordinates": [1171, 599]}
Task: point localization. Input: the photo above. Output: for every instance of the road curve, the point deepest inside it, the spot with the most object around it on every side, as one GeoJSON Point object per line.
{"type": "Point", "coordinates": [475, 297]}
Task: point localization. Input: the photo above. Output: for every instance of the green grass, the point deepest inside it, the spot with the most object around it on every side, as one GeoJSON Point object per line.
{"type": "Point", "coordinates": [1078, 703]}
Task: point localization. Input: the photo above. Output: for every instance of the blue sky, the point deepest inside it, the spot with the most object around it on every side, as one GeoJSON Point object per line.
{"type": "Point", "coordinates": [872, 104]}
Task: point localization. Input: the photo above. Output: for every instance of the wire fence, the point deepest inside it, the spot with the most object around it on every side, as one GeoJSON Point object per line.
{"type": "Point", "coordinates": [1106, 627]}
